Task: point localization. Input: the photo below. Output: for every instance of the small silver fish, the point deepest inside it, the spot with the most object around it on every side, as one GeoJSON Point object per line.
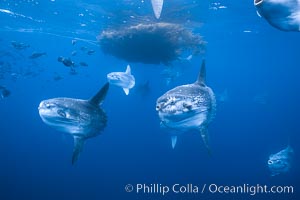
{"type": "Point", "coordinates": [19, 45]}
{"type": "Point", "coordinates": [74, 41]}
{"type": "Point", "coordinates": [84, 64]}
{"type": "Point", "coordinates": [66, 61]}
{"type": "Point", "coordinates": [90, 52]}
{"type": "Point", "coordinates": [35, 55]}
{"type": "Point", "coordinates": [74, 53]}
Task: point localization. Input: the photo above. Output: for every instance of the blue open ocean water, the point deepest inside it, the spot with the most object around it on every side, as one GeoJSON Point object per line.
{"type": "Point", "coordinates": [252, 67]}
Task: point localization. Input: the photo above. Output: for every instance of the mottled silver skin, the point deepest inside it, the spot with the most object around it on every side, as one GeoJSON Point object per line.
{"type": "Point", "coordinates": [82, 119]}
{"type": "Point", "coordinates": [281, 14]}
{"type": "Point", "coordinates": [188, 107]}
{"type": "Point", "coordinates": [280, 162]}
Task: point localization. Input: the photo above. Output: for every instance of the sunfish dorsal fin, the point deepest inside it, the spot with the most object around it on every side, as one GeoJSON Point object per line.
{"type": "Point", "coordinates": [174, 140]}
{"type": "Point", "coordinates": [128, 70]}
{"type": "Point", "coordinates": [205, 138]}
{"type": "Point", "coordinates": [99, 97]}
{"type": "Point", "coordinates": [202, 74]}
{"type": "Point", "coordinates": [78, 146]}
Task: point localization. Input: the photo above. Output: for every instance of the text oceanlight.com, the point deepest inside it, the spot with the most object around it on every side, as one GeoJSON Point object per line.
{"type": "Point", "coordinates": [207, 188]}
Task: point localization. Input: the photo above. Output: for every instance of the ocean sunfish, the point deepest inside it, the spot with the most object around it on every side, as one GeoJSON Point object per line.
{"type": "Point", "coordinates": [122, 79]}
{"type": "Point", "coordinates": [188, 107]}
{"type": "Point", "coordinates": [82, 119]}
{"type": "Point", "coordinates": [280, 162]}
{"type": "Point", "coordinates": [281, 14]}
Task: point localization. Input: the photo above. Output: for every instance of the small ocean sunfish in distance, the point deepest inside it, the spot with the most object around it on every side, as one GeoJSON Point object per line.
{"type": "Point", "coordinates": [84, 64]}
{"type": "Point", "coordinates": [188, 107]}
{"type": "Point", "coordinates": [91, 52]}
{"type": "Point", "coordinates": [74, 41]}
{"type": "Point", "coordinates": [280, 162]}
{"type": "Point", "coordinates": [122, 79]}
{"type": "Point", "coordinates": [37, 55]}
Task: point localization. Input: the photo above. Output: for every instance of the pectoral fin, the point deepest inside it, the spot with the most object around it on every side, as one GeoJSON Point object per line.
{"type": "Point", "coordinates": [126, 90]}
{"type": "Point", "coordinates": [78, 146]}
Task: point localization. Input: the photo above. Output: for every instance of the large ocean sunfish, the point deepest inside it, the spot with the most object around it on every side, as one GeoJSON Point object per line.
{"type": "Point", "coordinates": [188, 107]}
{"type": "Point", "coordinates": [281, 14]}
{"type": "Point", "coordinates": [82, 119]}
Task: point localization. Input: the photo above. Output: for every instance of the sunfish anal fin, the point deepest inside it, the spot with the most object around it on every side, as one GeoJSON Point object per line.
{"type": "Point", "coordinates": [126, 90]}
{"type": "Point", "coordinates": [78, 146]}
{"type": "Point", "coordinates": [205, 138]}
{"type": "Point", "coordinates": [174, 140]}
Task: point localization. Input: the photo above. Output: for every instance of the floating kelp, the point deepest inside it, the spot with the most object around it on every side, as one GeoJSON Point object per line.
{"type": "Point", "coordinates": [153, 43]}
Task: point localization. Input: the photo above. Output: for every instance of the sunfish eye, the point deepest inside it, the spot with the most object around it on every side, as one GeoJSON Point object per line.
{"type": "Point", "coordinates": [157, 107]}
{"type": "Point", "coordinates": [61, 113]}
{"type": "Point", "coordinates": [270, 162]}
